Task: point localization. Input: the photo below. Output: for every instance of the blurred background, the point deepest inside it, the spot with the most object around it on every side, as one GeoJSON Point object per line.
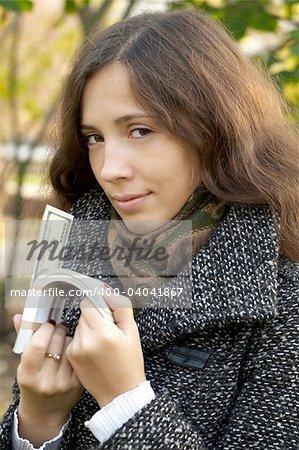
{"type": "Point", "coordinates": [37, 40]}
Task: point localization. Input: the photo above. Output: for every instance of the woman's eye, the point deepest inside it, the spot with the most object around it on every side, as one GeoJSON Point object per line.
{"type": "Point", "coordinates": [140, 132]}
{"type": "Point", "coordinates": [93, 139]}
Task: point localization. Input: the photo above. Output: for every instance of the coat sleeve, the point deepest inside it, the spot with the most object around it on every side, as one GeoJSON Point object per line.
{"type": "Point", "coordinates": [76, 436]}
{"type": "Point", "coordinates": [7, 421]}
{"type": "Point", "coordinates": [265, 413]}
{"type": "Point", "coordinates": [159, 425]}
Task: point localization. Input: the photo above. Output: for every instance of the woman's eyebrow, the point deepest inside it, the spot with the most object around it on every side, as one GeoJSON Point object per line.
{"type": "Point", "coordinates": [121, 119]}
{"type": "Point", "coordinates": [128, 117]}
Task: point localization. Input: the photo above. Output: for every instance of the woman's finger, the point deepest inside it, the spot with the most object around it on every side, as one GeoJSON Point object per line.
{"type": "Point", "coordinates": [122, 310]}
{"type": "Point", "coordinates": [33, 356]}
{"type": "Point", "coordinates": [120, 307]}
{"type": "Point", "coordinates": [17, 318]}
{"type": "Point", "coordinates": [54, 351]}
{"type": "Point", "coordinates": [91, 314]}
{"type": "Point", "coordinates": [65, 367]}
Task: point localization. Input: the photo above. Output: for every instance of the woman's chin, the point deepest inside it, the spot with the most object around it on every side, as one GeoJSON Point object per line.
{"type": "Point", "coordinates": [143, 226]}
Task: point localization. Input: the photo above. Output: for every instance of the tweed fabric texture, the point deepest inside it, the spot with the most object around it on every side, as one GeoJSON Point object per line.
{"type": "Point", "coordinates": [243, 317]}
{"type": "Point", "coordinates": [182, 237]}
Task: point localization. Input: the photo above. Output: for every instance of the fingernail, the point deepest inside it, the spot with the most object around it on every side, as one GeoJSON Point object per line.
{"type": "Point", "coordinates": [64, 324]}
{"type": "Point", "coordinates": [52, 322]}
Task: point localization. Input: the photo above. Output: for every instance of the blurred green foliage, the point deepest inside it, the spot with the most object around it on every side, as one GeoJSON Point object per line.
{"type": "Point", "coordinates": [17, 5]}
{"type": "Point", "coordinates": [243, 18]}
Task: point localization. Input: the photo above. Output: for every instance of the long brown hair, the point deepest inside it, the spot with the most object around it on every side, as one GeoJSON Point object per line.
{"type": "Point", "coordinates": [186, 69]}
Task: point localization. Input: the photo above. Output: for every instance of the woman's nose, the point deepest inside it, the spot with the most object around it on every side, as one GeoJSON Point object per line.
{"type": "Point", "coordinates": [116, 165]}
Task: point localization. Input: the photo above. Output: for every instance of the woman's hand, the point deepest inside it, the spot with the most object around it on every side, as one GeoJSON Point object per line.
{"type": "Point", "coordinates": [107, 356]}
{"type": "Point", "coordinates": [49, 388]}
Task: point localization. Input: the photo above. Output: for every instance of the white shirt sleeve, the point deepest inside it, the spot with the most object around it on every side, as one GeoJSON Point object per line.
{"type": "Point", "coordinates": [19, 443]}
{"type": "Point", "coordinates": [112, 416]}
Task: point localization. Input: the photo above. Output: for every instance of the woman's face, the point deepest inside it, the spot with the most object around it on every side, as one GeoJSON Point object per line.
{"type": "Point", "coordinates": [145, 174]}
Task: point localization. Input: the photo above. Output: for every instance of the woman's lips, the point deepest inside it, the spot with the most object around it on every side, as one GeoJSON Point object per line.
{"type": "Point", "coordinates": [133, 203]}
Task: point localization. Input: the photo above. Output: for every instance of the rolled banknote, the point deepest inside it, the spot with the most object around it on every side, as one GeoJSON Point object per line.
{"type": "Point", "coordinates": [66, 280]}
{"type": "Point", "coordinates": [53, 236]}
{"type": "Point", "coordinates": [60, 282]}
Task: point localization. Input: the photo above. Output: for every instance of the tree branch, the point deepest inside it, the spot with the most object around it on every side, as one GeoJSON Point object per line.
{"type": "Point", "coordinates": [97, 15]}
{"type": "Point", "coordinates": [89, 16]}
{"type": "Point", "coordinates": [129, 8]}
{"type": "Point", "coordinates": [12, 80]}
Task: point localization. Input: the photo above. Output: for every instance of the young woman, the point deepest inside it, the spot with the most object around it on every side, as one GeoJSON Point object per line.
{"type": "Point", "coordinates": [163, 118]}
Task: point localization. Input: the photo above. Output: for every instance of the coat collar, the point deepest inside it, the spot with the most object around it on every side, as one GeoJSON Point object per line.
{"type": "Point", "coordinates": [234, 276]}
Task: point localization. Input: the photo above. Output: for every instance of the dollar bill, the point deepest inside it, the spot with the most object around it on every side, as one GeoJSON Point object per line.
{"type": "Point", "coordinates": [62, 281]}
{"type": "Point", "coordinates": [53, 237]}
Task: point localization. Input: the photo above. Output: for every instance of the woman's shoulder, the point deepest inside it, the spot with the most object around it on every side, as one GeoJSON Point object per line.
{"type": "Point", "coordinates": [261, 225]}
{"type": "Point", "coordinates": [288, 271]}
{"type": "Point", "coordinates": [288, 294]}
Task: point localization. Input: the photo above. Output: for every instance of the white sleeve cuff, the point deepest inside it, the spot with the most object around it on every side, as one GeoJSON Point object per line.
{"type": "Point", "coordinates": [112, 416]}
{"type": "Point", "coordinates": [19, 443]}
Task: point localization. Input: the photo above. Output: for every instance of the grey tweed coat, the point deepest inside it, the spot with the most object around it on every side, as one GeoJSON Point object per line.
{"type": "Point", "coordinates": [225, 370]}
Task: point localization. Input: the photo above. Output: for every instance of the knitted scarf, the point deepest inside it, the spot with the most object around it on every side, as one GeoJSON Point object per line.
{"type": "Point", "coordinates": [149, 260]}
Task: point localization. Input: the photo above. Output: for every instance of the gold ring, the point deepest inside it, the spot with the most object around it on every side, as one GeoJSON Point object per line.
{"type": "Point", "coordinates": [55, 356]}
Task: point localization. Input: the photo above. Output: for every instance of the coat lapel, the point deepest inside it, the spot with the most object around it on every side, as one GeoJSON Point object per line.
{"type": "Point", "coordinates": [233, 277]}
